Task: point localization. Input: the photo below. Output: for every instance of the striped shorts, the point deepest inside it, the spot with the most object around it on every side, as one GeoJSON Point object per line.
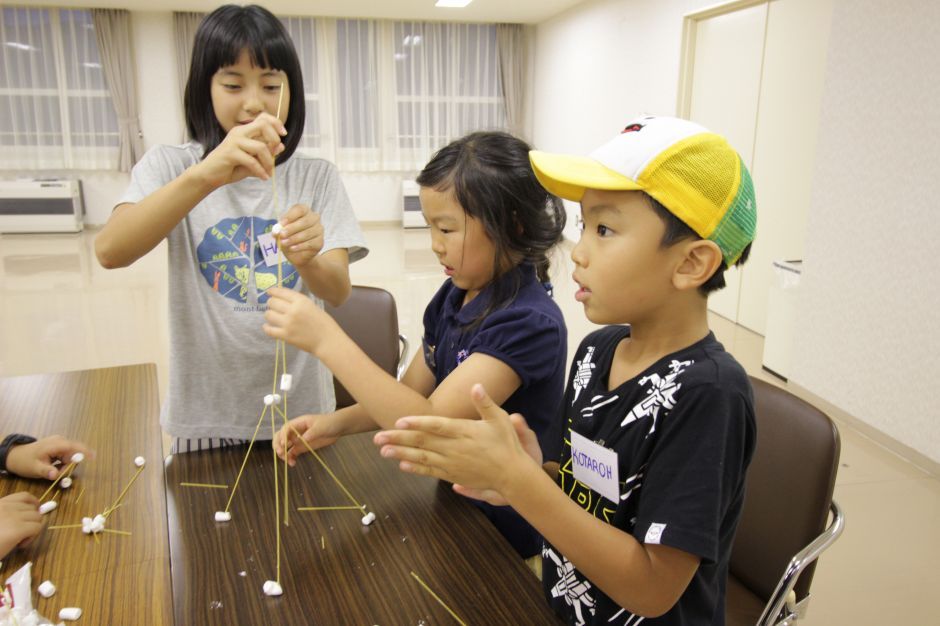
{"type": "Point", "coordinates": [181, 446]}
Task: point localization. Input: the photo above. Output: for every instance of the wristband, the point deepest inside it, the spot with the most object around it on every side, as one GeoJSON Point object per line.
{"type": "Point", "coordinates": [9, 442]}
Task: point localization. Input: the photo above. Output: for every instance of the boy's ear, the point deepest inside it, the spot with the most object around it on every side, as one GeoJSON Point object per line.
{"type": "Point", "coordinates": [700, 261]}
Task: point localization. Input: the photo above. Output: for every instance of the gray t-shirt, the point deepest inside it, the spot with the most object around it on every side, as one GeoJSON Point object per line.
{"type": "Point", "coordinates": [221, 362]}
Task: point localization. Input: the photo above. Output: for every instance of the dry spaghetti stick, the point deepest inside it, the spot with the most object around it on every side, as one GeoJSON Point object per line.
{"type": "Point", "coordinates": [116, 532]}
{"type": "Point", "coordinates": [322, 542]}
{"type": "Point", "coordinates": [327, 468]}
{"type": "Point", "coordinates": [61, 475]}
{"type": "Point", "coordinates": [245, 460]}
{"type": "Point", "coordinates": [436, 597]}
{"type": "Point", "coordinates": [328, 508]}
{"type": "Point", "coordinates": [205, 485]}
{"type": "Point", "coordinates": [117, 502]}
{"type": "Point", "coordinates": [80, 494]}
{"type": "Point", "coordinates": [277, 506]}
{"type": "Point", "coordinates": [63, 526]}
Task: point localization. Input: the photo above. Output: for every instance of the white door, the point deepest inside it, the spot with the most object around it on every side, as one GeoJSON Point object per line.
{"type": "Point", "coordinates": [725, 89]}
{"type": "Point", "coordinates": [755, 74]}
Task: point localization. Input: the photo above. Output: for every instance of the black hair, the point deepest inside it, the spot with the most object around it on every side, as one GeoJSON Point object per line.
{"type": "Point", "coordinates": [491, 178]}
{"type": "Point", "coordinates": [220, 39]}
{"type": "Point", "coordinates": [677, 230]}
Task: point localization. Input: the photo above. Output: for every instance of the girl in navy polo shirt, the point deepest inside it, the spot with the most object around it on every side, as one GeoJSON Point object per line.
{"type": "Point", "coordinates": [492, 321]}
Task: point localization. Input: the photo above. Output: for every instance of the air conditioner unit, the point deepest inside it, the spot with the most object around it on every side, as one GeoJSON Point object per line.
{"type": "Point", "coordinates": [411, 216]}
{"type": "Point", "coordinates": [41, 206]}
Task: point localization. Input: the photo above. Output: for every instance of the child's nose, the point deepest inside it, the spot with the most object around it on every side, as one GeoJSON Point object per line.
{"type": "Point", "coordinates": [253, 103]}
{"type": "Point", "coordinates": [578, 254]}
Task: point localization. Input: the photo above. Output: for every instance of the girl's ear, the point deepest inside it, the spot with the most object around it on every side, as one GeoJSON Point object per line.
{"type": "Point", "coordinates": [701, 259]}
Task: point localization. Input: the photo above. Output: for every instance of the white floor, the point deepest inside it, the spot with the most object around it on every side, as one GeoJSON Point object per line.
{"type": "Point", "coordinates": [59, 310]}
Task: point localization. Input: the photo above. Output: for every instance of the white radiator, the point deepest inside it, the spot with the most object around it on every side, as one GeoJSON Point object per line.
{"type": "Point", "coordinates": [41, 206]}
{"type": "Point", "coordinates": [411, 216]}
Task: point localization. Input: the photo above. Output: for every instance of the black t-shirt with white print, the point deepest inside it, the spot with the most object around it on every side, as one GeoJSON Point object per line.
{"type": "Point", "coordinates": [684, 433]}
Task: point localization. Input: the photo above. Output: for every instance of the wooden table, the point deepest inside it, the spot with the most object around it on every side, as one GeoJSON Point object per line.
{"type": "Point", "coordinates": [115, 579]}
{"type": "Point", "coordinates": [333, 569]}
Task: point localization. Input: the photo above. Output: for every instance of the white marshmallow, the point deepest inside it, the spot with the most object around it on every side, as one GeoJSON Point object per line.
{"type": "Point", "coordinates": [276, 230]}
{"type": "Point", "coordinates": [269, 400]}
{"type": "Point", "coordinates": [46, 507]}
{"type": "Point", "coordinates": [277, 398]}
{"type": "Point", "coordinates": [223, 516]}
{"type": "Point", "coordinates": [78, 457]}
{"type": "Point", "coordinates": [46, 589]}
{"type": "Point", "coordinates": [140, 461]}
{"type": "Point", "coordinates": [65, 483]}
{"type": "Point", "coordinates": [86, 525]}
{"type": "Point", "coordinates": [272, 588]}
{"type": "Point", "coordinates": [286, 382]}
{"type": "Point", "coordinates": [70, 613]}
{"type": "Point", "coordinates": [368, 518]}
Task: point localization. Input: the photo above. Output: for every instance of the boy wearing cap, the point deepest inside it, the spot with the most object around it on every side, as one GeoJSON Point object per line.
{"type": "Point", "coordinates": [660, 418]}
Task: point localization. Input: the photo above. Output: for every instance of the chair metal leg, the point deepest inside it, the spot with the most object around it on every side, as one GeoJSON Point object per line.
{"type": "Point", "coordinates": [782, 608]}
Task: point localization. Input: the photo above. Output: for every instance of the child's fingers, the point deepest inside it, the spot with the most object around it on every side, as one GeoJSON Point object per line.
{"type": "Point", "coordinates": [484, 404]}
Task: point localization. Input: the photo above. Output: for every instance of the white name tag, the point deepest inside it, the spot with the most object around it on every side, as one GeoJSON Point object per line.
{"type": "Point", "coordinates": [268, 245]}
{"type": "Point", "coordinates": [595, 466]}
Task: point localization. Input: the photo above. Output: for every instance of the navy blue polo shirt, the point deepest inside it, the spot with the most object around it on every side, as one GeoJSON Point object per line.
{"type": "Point", "coordinates": [528, 335]}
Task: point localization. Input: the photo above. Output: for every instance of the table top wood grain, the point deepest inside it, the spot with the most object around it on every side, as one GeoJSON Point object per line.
{"type": "Point", "coordinates": [333, 569]}
{"type": "Point", "coordinates": [114, 579]}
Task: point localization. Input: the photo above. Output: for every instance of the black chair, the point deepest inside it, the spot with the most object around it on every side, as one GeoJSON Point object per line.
{"type": "Point", "coordinates": [370, 318]}
{"type": "Point", "coordinates": [783, 527]}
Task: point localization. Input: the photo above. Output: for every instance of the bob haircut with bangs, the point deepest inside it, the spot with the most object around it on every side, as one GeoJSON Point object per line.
{"type": "Point", "coordinates": [220, 39]}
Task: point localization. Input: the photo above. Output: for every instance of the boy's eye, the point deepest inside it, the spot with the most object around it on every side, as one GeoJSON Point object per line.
{"type": "Point", "coordinates": [230, 86]}
{"type": "Point", "coordinates": [602, 230]}
{"type": "Point", "coordinates": [273, 88]}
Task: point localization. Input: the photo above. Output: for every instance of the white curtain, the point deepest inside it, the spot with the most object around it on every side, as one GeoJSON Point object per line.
{"type": "Point", "coordinates": [113, 32]}
{"type": "Point", "coordinates": [383, 95]}
{"type": "Point", "coordinates": [55, 106]}
{"type": "Point", "coordinates": [512, 48]}
{"type": "Point", "coordinates": [184, 34]}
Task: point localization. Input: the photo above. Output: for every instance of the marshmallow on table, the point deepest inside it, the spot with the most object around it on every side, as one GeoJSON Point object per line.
{"type": "Point", "coordinates": [46, 589]}
{"type": "Point", "coordinates": [95, 525]}
{"type": "Point", "coordinates": [46, 507]}
{"type": "Point", "coordinates": [70, 614]}
{"type": "Point", "coordinates": [223, 516]}
{"type": "Point", "coordinates": [285, 382]}
{"type": "Point", "coordinates": [272, 588]}
{"type": "Point", "coordinates": [368, 518]}
{"type": "Point", "coordinates": [65, 483]}
{"type": "Point", "coordinates": [78, 457]}
{"type": "Point", "coordinates": [140, 461]}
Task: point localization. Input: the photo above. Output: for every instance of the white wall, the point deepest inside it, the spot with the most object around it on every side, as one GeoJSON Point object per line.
{"type": "Point", "coordinates": [867, 315]}
{"type": "Point", "coordinates": [601, 64]}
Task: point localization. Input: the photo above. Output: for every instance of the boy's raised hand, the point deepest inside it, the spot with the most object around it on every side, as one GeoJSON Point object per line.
{"type": "Point", "coordinates": [481, 457]}
{"type": "Point", "coordinates": [296, 319]}
{"type": "Point", "coordinates": [35, 460]}
{"type": "Point", "coordinates": [302, 236]}
{"type": "Point", "coordinates": [20, 521]}
{"type": "Point", "coordinates": [247, 150]}
{"type": "Point", "coordinates": [315, 430]}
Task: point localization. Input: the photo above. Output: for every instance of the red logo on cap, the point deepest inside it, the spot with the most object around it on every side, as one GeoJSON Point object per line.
{"type": "Point", "coordinates": [632, 128]}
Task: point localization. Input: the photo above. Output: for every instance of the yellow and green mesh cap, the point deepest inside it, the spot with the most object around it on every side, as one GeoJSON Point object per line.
{"type": "Point", "coordinates": [692, 172]}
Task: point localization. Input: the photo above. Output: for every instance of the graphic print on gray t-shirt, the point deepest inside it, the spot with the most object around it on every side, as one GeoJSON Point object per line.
{"type": "Point", "coordinates": [231, 261]}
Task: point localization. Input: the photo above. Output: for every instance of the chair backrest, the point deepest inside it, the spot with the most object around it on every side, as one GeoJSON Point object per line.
{"type": "Point", "coordinates": [789, 489]}
{"type": "Point", "coordinates": [370, 318]}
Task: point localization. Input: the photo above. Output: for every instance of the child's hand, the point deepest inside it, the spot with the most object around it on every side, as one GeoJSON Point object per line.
{"type": "Point", "coordinates": [314, 429]}
{"type": "Point", "coordinates": [302, 237]}
{"type": "Point", "coordinates": [20, 521]}
{"type": "Point", "coordinates": [247, 150]}
{"type": "Point", "coordinates": [34, 460]}
{"type": "Point", "coordinates": [530, 444]}
{"type": "Point", "coordinates": [296, 319]}
{"type": "Point", "coordinates": [480, 456]}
